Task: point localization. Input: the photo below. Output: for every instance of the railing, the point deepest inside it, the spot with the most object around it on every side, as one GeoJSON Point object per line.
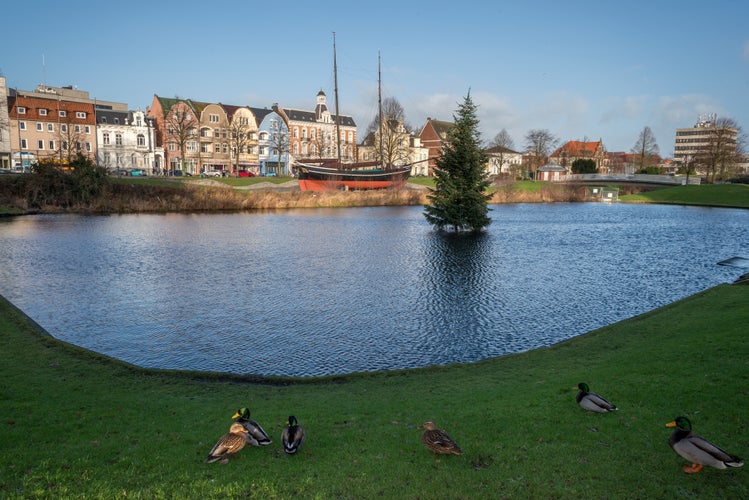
{"type": "Point", "coordinates": [668, 180]}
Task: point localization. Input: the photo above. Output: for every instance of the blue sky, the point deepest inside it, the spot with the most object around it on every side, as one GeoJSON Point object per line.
{"type": "Point", "coordinates": [581, 69]}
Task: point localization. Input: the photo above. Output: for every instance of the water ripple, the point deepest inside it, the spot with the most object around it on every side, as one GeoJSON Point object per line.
{"type": "Point", "coordinates": [318, 292]}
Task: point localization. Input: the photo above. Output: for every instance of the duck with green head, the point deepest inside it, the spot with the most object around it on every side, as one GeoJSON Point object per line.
{"type": "Point", "coordinates": [698, 450]}
{"type": "Point", "coordinates": [591, 401]}
{"type": "Point", "coordinates": [292, 436]}
{"type": "Point", "coordinates": [256, 435]}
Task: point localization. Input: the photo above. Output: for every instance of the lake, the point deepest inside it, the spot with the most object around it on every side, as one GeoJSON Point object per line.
{"type": "Point", "coordinates": [329, 291]}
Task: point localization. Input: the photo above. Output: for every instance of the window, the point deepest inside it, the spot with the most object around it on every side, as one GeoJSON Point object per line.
{"type": "Point", "coordinates": [24, 144]}
{"type": "Point", "coordinates": [88, 147]}
{"type": "Point", "coordinates": [64, 128]}
{"type": "Point", "coordinates": [22, 125]}
{"type": "Point", "coordinates": [52, 145]}
{"type": "Point", "coordinates": [312, 134]}
{"type": "Point", "coordinates": [304, 133]}
{"type": "Point", "coordinates": [118, 139]}
{"type": "Point", "coordinates": [64, 145]}
{"type": "Point", "coordinates": [105, 138]}
{"type": "Point", "coordinates": [141, 140]}
{"type": "Point", "coordinates": [103, 119]}
{"type": "Point", "coordinates": [87, 129]}
{"type": "Point", "coordinates": [62, 113]}
{"type": "Point", "coordinates": [296, 132]}
{"type": "Point", "coordinates": [225, 148]}
{"type": "Point", "coordinates": [39, 127]}
{"type": "Point", "coordinates": [21, 110]}
{"type": "Point", "coordinates": [42, 112]}
{"type": "Point", "coordinates": [213, 118]}
{"type": "Point", "coordinates": [50, 127]}
{"type": "Point", "coordinates": [205, 148]}
{"type": "Point", "coordinates": [172, 146]}
{"type": "Point", "coordinates": [40, 144]}
{"type": "Point", "coordinates": [216, 133]}
{"type": "Point", "coordinates": [107, 158]}
{"type": "Point", "coordinates": [80, 114]}
{"type": "Point", "coordinates": [77, 129]}
{"type": "Point", "coordinates": [116, 121]}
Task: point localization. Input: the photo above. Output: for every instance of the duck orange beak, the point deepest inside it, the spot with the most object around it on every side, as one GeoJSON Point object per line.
{"type": "Point", "coordinates": [671, 424]}
{"type": "Point", "coordinates": [235, 415]}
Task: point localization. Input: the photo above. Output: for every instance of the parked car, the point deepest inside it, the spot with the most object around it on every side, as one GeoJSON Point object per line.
{"type": "Point", "coordinates": [246, 174]}
{"type": "Point", "coordinates": [138, 172]}
{"type": "Point", "coordinates": [5, 171]}
{"type": "Point", "coordinates": [176, 173]}
{"type": "Point", "coordinates": [211, 173]}
{"type": "Point", "coordinates": [120, 171]}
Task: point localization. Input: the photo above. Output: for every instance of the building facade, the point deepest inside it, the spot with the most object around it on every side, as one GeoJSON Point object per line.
{"type": "Point", "coordinates": [4, 127]}
{"type": "Point", "coordinates": [503, 161]}
{"type": "Point", "coordinates": [126, 141]}
{"type": "Point", "coordinates": [433, 134]}
{"type": "Point", "coordinates": [52, 123]}
{"type": "Point", "coordinates": [313, 134]}
{"type": "Point", "coordinates": [273, 142]}
{"type": "Point", "coordinates": [571, 151]}
{"type": "Point", "coordinates": [692, 142]}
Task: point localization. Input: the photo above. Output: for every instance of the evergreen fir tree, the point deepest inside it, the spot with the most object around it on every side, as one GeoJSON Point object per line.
{"type": "Point", "coordinates": [459, 198]}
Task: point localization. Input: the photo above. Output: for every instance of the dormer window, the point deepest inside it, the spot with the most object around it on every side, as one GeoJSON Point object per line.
{"type": "Point", "coordinates": [104, 119]}
{"type": "Point", "coordinates": [21, 110]}
{"type": "Point", "coordinates": [42, 112]}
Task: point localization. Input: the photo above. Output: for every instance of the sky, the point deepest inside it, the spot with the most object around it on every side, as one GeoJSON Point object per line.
{"type": "Point", "coordinates": [583, 70]}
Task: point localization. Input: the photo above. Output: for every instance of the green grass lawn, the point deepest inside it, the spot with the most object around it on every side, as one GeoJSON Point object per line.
{"type": "Point", "coordinates": [77, 424]}
{"type": "Point", "coordinates": [717, 195]}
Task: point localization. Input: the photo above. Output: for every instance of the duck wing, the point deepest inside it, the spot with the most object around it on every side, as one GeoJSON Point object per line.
{"type": "Point", "coordinates": [228, 445]}
{"type": "Point", "coordinates": [593, 402]}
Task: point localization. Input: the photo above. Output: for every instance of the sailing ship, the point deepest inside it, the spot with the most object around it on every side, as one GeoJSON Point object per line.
{"type": "Point", "coordinates": [332, 174]}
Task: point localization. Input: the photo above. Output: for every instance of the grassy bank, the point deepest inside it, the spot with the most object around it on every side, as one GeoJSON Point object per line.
{"type": "Point", "coordinates": [161, 194]}
{"type": "Point", "coordinates": [76, 424]}
{"type": "Point", "coordinates": [715, 195]}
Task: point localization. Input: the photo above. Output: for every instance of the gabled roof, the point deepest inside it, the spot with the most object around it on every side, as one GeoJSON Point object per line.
{"type": "Point", "coordinates": [577, 149]}
{"type": "Point", "coordinates": [260, 114]}
{"type": "Point", "coordinates": [440, 127]}
{"type": "Point", "coordinates": [299, 115]}
{"type": "Point", "coordinates": [501, 149]}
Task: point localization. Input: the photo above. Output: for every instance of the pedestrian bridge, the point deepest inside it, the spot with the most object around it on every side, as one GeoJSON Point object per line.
{"type": "Point", "coordinates": [641, 179]}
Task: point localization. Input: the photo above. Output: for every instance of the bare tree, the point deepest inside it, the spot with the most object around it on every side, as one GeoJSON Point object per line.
{"type": "Point", "coordinates": [503, 140]}
{"type": "Point", "coordinates": [499, 149]}
{"type": "Point", "coordinates": [645, 149]}
{"type": "Point", "coordinates": [70, 137]}
{"type": "Point", "coordinates": [182, 126]}
{"type": "Point", "coordinates": [279, 143]}
{"type": "Point", "coordinates": [722, 151]}
{"type": "Point", "coordinates": [239, 138]}
{"type": "Point", "coordinates": [391, 140]}
{"type": "Point", "coordinates": [539, 144]}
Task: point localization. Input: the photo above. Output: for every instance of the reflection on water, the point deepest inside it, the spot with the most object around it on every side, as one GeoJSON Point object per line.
{"type": "Point", "coordinates": [314, 292]}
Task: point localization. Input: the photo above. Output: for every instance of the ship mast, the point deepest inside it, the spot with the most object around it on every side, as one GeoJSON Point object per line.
{"type": "Point", "coordinates": [337, 117]}
{"type": "Point", "coordinates": [379, 105]}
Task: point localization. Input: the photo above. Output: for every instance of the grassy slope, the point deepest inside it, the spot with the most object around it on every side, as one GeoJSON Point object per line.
{"type": "Point", "coordinates": [717, 195]}
{"type": "Point", "coordinates": [79, 424]}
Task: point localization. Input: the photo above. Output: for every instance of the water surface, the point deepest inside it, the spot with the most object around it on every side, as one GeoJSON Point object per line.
{"type": "Point", "coordinates": [328, 291]}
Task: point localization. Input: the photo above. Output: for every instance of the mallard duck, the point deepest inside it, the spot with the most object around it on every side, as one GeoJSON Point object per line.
{"type": "Point", "coordinates": [591, 401]}
{"type": "Point", "coordinates": [438, 441]}
{"type": "Point", "coordinates": [228, 445]}
{"type": "Point", "coordinates": [256, 436]}
{"type": "Point", "coordinates": [698, 450]}
{"type": "Point", "coordinates": [292, 436]}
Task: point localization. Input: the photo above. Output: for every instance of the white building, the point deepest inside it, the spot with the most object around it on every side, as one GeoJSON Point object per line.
{"type": "Point", "coordinates": [125, 141]}
{"type": "Point", "coordinates": [4, 126]}
{"type": "Point", "coordinates": [503, 160]}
